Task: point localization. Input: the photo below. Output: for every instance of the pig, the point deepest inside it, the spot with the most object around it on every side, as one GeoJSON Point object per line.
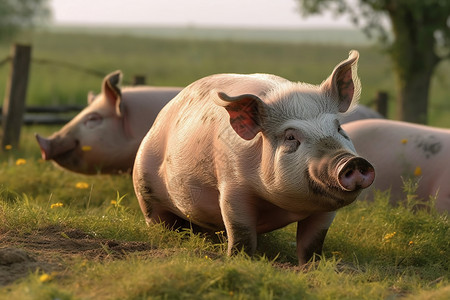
{"type": "Point", "coordinates": [400, 151]}
{"type": "Point", "coordinates": [249, 154]}
{"type": "Point", "coordinates": [104, 137]}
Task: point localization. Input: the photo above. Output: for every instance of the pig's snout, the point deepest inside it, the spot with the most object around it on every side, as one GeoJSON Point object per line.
{"type": "Point", "coordinates": [45, 146]}
{"type": "Point", "coordinates": [55, 147]}
{"type": "Point", "coordinates": [355, 173]}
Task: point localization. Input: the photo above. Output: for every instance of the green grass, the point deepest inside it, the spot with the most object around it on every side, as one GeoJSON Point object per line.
{"type": "Point", "coordinates": [372, 251]}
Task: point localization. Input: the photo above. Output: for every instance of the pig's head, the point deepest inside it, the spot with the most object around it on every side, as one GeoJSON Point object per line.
{"type": "Point", "coordinates": [90, 142]}
{"type": "Point", "coordinates": [307, 160]}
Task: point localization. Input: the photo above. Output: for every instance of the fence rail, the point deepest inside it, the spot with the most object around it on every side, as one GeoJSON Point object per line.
{"type": "Point", "coordinates": [48, 115]}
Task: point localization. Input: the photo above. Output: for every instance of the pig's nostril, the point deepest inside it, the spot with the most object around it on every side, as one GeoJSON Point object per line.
{"type": "Point", "coordinates": [348, 174]}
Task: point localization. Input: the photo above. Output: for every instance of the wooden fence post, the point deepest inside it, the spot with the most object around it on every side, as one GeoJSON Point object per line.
{"type": "Point", "coordinates": [381, 103]}
{"type": "Point", "coordinates": [139, 80]}
{"type": "Point", "coordinates": [14, 104]}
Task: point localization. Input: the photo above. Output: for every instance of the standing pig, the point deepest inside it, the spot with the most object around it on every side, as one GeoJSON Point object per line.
{"type": "Point", "coordinates": [105, 136]}
{"type": "Point", "coordinates": [401, 150]}
{"type": "Point", "coordinates": [251, 154]}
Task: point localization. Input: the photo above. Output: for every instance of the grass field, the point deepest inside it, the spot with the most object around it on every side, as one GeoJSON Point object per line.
{"type": "Point", "coordinates": [70, 236]}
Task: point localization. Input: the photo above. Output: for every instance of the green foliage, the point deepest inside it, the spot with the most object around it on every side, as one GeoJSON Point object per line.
{"type": "Point", "coordinates": [420, 41]}
{"type": "Point", "coordinates": [19, 14]}
{"type": "Point", "coordinates": [432, 15]}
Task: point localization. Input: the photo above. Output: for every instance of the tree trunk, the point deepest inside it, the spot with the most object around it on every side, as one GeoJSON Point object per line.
{"type": "Point", "coordinates": [412, 101]}
{"type": "Point", "coordinates": [414, 59]}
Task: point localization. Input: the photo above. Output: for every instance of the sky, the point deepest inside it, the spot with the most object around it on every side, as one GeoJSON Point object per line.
{"type": "Point", "coordinates": [199, 13]}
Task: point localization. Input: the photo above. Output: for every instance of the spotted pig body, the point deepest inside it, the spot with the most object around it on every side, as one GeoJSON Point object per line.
{"type": "Point", "coordinates": [401, 151]}
{"type": "Point", "coordinates": [249, 154]}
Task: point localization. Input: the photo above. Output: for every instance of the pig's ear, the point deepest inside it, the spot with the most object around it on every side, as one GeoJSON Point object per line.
{"type": "Point", "coordinates": [245, 112]}
{"type": "Point", "coordinates": [90, 97]}
{"type": "Point", "coordinates": [111, 90]}
{"type": "Point", "coordinates": [343, 84]}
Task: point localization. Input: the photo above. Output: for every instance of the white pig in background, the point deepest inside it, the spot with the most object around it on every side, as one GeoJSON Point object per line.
{"type": "Point", "coordinates": [401, 150]}
{"type": "Point", "coordinates": [105, 136]}
{"type": "Point", "coordinates": [251, 154]}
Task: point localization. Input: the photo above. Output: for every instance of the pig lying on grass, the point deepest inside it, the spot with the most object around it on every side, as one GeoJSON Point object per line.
{"type": "Point", "coordinates": [401, 151]}
{"type": "Point", "coordinates": [251, 154]}
{"type": "Point", "coordinates": [105, 136]}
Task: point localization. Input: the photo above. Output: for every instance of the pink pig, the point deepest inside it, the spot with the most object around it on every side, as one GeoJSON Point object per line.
{"type": "Point", "coordinates": [253, 153]}
{"type": "Point", "coordinates": [105, 136]}
{"type": "Point", "coordinates": [401, 150]}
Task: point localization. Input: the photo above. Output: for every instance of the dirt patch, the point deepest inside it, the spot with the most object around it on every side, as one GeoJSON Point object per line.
{"type": "Point", "coordinates": [49, 249]}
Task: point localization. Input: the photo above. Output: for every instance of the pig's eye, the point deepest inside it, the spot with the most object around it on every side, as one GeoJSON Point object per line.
{"type": "Point", "coordinates": [291, 140]}
{"type": "Point", "coordinates": [92, 120]}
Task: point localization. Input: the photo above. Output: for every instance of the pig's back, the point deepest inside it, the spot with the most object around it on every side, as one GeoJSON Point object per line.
{"type": "Point", "coordinates": [193, 112]}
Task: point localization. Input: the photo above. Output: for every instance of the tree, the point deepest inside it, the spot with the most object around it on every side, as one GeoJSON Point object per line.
{"type": "Point", "coordinates": [20, 14]}
{"type": "Point", "coordinates": [420, 40]}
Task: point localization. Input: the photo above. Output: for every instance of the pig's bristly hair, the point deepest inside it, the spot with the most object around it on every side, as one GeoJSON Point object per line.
{"type": "Point", "coordinates": [289, 100]}
{"type": "Point", "coordinates": [297, 101]}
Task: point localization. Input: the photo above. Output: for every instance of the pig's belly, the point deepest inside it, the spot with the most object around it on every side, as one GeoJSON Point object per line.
{"type": "Point", "coordinates": [200, 205]}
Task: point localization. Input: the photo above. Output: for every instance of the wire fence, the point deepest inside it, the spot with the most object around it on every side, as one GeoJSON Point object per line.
{"type": "Point", "coordinates": [64, 64]}
{"type": "Point", "coordinates": [74, 67]}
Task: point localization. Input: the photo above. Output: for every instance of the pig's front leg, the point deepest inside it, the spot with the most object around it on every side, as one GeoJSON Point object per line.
{"type": "Point", "coordinates": [239, 221]}
{"type": "Point", "coordinates": [311, 234]}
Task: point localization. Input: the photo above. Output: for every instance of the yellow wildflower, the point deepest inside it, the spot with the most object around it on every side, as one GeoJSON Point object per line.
{"type": "Point", "coordinates": [45, 277]}
{"type": "Point", "coordinates": [86, 148]}
{"type": "Point", "coordinates": [389, 236]}
{"type": "Point", "coordinates": [8, 147]}
{"type": "Point", "coordinates": [20, 162]}
{"type": "Point", "coordinates": [418, 171]}
{"type": "Point", "coordinates": [82, 185]}
{"type": "Point", "coordinates": [55, 205]}
{"type": "Point", "coordinates": [336, 253]}
{"type": "Point", "coordinates": [113, 202]}
{"type": "Point", "coordinates": [411, 243]}
{"type": "Point", "coordinates": [404, 141]}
